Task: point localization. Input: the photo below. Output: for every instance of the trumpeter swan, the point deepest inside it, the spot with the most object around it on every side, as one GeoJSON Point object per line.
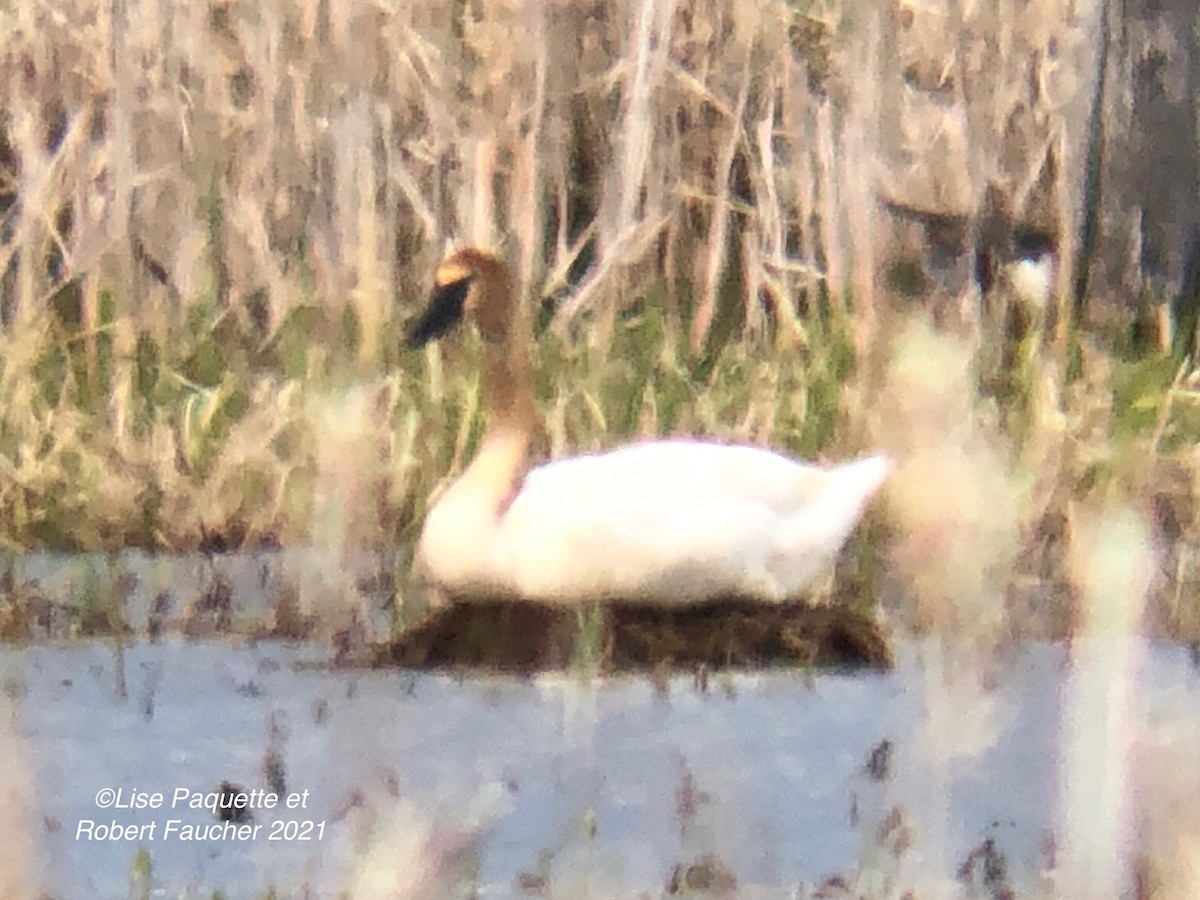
{"type": "Point", "coordinates": [670, 522]}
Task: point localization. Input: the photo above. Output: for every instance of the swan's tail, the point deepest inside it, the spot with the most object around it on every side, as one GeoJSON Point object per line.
{"type": "Point", "coordinates": [811, 538]}
{"type": "Point", "coordinates": [853, 484]}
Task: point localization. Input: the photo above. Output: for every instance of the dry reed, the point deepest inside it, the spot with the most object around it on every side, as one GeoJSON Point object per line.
{"type": "Point", "coordinates": [215, 219]}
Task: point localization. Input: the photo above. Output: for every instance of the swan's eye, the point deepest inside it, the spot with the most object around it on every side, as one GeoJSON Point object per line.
{"type": "Point", "coordinates": [443, 312]}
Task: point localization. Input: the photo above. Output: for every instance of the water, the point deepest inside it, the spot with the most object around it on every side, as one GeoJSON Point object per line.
{"type": "Point", "coordinates": [579, 789]}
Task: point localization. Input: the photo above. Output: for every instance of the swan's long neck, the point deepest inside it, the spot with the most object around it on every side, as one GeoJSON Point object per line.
{"type": "Point", "coordinates": [504, 453]}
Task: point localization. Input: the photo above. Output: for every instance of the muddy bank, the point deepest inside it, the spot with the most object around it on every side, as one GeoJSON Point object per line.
{"type": "Point", "coordinates": [525, 638]}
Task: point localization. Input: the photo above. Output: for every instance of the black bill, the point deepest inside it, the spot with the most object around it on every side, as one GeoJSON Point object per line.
{"type": "Point", "coordinates": [444, 311]}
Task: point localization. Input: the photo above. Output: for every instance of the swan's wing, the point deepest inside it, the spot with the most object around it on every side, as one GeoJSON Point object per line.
{"type": "Point", "coordinates": [678, 522]}
{"type": "Point", "coordinates": [626, 547]}
{"type": "Point", "coordinates": [679, 474]}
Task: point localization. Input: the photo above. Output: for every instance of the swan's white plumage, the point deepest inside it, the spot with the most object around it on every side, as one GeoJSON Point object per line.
{"type": "Point", "coordinates": [666, 522]}
{"type": "Point", "coordinates": [670, 522]}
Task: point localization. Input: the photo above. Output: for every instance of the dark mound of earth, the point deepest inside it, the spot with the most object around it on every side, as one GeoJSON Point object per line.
{"type": "Point", "coordinates": [524, 638]}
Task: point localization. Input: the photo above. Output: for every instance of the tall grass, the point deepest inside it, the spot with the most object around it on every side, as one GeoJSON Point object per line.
{"type": "Point", "coordinates": [217, 218]}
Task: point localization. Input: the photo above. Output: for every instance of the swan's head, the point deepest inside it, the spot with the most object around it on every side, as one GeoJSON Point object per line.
{"type": "Point", "coordinates": [469, 284]}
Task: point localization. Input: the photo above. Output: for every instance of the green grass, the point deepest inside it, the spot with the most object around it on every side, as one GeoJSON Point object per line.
{"type": "Point", "coordinates": [205, 433]}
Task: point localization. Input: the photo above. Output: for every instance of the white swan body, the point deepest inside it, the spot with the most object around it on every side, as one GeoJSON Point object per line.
{"type": "Point", "coordinates": [665, 522]}
{"type": "Point", "coordinates": [672, 522]}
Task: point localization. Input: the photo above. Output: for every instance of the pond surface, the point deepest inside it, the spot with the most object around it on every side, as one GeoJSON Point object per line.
{"type": "Point", "coordinates": [509, 787]}
{"type": "Point", "coordinates": [414, 784]}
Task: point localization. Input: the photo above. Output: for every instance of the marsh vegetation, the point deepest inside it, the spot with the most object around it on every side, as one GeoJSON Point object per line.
{"type": "Point", "coordinates": [799, 223]}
